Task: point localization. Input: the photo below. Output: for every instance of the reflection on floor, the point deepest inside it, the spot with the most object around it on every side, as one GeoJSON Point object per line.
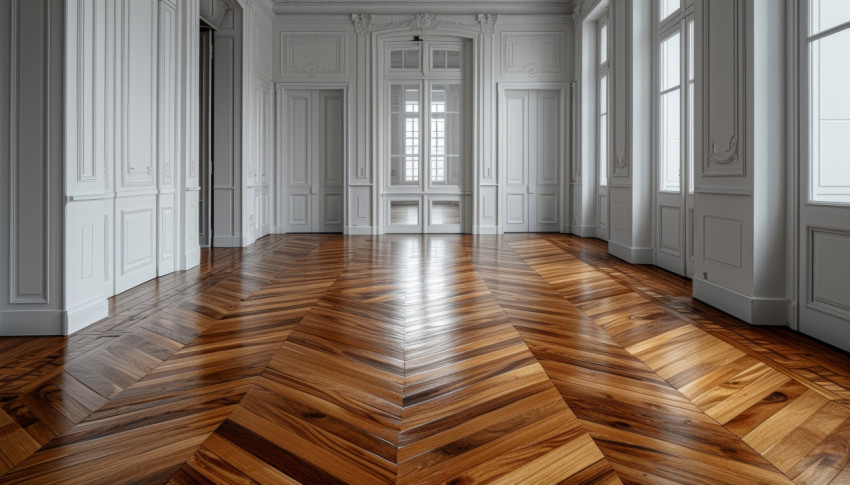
{"type": "Point", "coordinates": [410, 359]}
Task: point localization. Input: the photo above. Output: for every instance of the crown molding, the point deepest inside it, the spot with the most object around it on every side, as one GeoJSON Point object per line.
{"type": "Point", "coordinates": [340, 7]}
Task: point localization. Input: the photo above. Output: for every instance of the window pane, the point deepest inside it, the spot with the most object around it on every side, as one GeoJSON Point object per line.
{"type": "Point", "coordinates": [691, 50]}
{"type": "Point", "coordinates": [445, 134]}
{"type": "Point", "coordinates": [439, 59]}
{"type": "Point", "coordinates": [603, 44]}
{"type": "Point", "coordinates": [667, 7]}
{"type": "Point", "coordinates": [603, 129]}
{"type": "Point", "coordinates": [826, 14]}
{"type": "Point", "coordinates": [405, 134]}
{"type": "Point", "coordinates": [396, 59]}
{"type": "Point", "coordinates": [411, 59]}
{"type": "Point", "coordinates": [829, 105]}
{"type": "Point", "coordinates": [603, 150]}
{"type": "Point", "coordinates": [453, 60]}
{"type": "Point", "coordinates": [670, 70]}
{"type": "Point", "coordinates": [690, 158]}
{"type": "Point", "coordinates": [690, 155]}
{"type": "Point", "coordinates": [670, 143]}
{"type": "Point", "coordinates": [603, 93]}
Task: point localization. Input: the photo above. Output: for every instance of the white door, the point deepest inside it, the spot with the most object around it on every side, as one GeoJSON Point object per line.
{"type": "Point", "coordinates": [314, 161]}
{"type": "Point", "coordinates": [674, 148]}
{"type": "Point", "coordinates": [824, 244]}
{"type": "Point", "coordinates": [531, 135]}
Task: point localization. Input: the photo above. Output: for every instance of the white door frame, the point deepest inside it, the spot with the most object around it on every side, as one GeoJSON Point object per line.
{"type": "Point", "coordinates": [566, 128]}
{"type": "Point", "coordinates": [280, 191]}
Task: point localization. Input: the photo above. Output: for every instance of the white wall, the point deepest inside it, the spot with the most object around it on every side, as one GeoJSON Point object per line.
{"type": "Point", "coordinates": [31, 215]}
{"type": "Point", "coordinates": [111, 95]}
{"type": "Point", "coordinates": [739, 230]}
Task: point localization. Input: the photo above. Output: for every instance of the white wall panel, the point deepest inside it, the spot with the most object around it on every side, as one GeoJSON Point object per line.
{"type": "Point", "coordinates": [136, 241]}
{"type": "Point", "coordinates": [532, 54]}
{"type": "Point", "coordinates": [139, 169]}
{"type": "Point", "coordinates": [830, 270]}
{"type": "Point", "coordinates": [670, 230]}
{"type": "Point", "coordinates": [313, 54]}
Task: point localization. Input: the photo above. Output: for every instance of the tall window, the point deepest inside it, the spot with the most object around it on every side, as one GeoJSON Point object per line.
{"type": "Point", "coordinates": [603, 102]}
{"type": "Point", "coordinates": [829, 100]}
{"type": "Point", "coordinates": [426, 125]}
{"type": "Point", "coordinates": [675, 113]}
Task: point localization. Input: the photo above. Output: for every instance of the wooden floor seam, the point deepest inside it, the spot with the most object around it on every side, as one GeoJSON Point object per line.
{"type": "Point", "coordinates": [422, 359]}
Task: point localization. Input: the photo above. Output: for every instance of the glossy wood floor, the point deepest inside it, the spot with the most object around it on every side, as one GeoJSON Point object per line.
{"type": "Point", "coordinates": [410, 359]}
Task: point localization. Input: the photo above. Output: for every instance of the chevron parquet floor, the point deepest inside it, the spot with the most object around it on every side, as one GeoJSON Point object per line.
{"type": "Point", "coordinates": [411, 359]}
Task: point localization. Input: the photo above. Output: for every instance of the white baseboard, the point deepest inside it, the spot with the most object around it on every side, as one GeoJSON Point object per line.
{"type": "Point", "coordinates": [358, 230]}
{"type": "Point", "coordinates": [35, 322]}
{"type": "Point", "coordinates": [193, 259]}
{"type": "Point", "coordinates": [753, 310]}
{"type": "Point", "coordinates": [629, 254]}
{"type": "Point", "coordinates": [584, 231]}
{"type": "Point", "coordinates": [86, 314]}
{"type": "Point", "coordinates": [227, 241]}
{"type": "Point", "coordinates": [486, 230]}
{"type": "Point", "coordinates": [278, 230]}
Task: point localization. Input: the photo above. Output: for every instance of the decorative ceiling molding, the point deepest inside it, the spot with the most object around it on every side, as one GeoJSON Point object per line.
{"type": "Point", "coordinates": [362, 23]}
{"type": "Point", "coordinates": [487, 23]}
{"type": "Point", "coordinates": [472, 7]}
{"type": "Point", "coordinates": [425, 23]}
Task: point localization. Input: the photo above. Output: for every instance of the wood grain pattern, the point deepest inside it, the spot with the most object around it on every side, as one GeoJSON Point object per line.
{"type": "Point", "coordinates": [410, 359]}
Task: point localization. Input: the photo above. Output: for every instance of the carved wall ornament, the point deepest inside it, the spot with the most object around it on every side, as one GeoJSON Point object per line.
{"type": "Point", "coordinates": [362, 23]}
{"type": "Point", "coordinates": [621, 161]}
{"type": "Point", "coordinates": [487, 23]}
{"type": "Point", "coordinates": [577, 14]}
{"type": "Point", "coordinates": [728, 156]}
{"type": "Point", "coordinates": [423, 23]}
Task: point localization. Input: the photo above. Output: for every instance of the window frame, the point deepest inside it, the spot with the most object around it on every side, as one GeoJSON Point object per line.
{"type": "Point", "coordinates": [808, 131]}
{"type": "Point", "coordinates": [603, 72]}
{"type": "Point", "coordinates": [682, 22]}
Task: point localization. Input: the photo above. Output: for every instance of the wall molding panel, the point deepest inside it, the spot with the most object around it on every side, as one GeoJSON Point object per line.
{"type": "Point", "coordinates": [313, 54]}
{"type": "Point", "coordinates": [723, 82]}
{"type": "Point", "coordinates": [532, 54]}
{"type": "Point", "coordinates": [32, 60]}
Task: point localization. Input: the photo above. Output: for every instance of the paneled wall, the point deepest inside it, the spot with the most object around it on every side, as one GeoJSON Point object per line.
{"type": "Point", "coordinates": [343, 52]}
{"type": "Point", "coordinates": [31, 103]}
{"type": "Point", "coordinates": [740, 193]}
{"type": "Point", "coordinates": [123, 149]}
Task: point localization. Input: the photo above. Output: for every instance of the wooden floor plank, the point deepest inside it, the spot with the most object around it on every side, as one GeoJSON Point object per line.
{"type": "Point", "coordinates": [410, 359]}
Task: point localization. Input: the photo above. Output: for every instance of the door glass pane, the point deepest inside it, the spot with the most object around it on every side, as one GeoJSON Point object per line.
{"type": "Point", "coordinates": [826, 14]}
{"type": "Point", "coordinates": [603, 44]}
{"type": "Point", "coordinates": [690, 157]}
{"type": "Point", "coordinates": [669, 115]}
{"type": "Point", "coordinates": [670, 72]}
{"type": "Point", "coordinates": [670, 143]}
{"type": "Point", "coordinates": [445, 134]}
{"type": "Point", "coordinates": [405, 134]}
{"type": "Point", "coordinates": [829, 105]}
{"type": "Point", "coordinates": [667, 7]}
{"type": "Point", "coordinates": [445, 212]}
{"type": "Point", "coordinates": [603, 130]}
{"type": "Point", "coordinates": [404, 212]}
